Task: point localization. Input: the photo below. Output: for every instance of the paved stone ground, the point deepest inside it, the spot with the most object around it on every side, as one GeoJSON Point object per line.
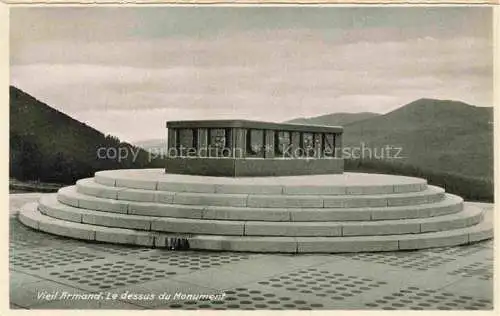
{"type": "Point", "coordinates": [456, 278]}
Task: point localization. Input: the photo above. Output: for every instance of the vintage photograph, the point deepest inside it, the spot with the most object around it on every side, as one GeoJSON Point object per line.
{"type": "Point", "coordinates": [251, 157]}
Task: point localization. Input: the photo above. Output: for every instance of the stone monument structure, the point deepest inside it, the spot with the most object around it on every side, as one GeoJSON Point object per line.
{"type": "Point", "coordinates": [240, 185]}
{"type": "Point", "coordinates": [249, 148]}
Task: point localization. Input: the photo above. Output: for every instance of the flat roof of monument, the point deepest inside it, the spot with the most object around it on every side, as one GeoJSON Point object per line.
{"type": "Point", "coordinates": [254, 124]}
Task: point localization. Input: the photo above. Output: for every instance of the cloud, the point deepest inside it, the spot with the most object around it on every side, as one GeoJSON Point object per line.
{"type": "Point", "coordinates": [131, 84]}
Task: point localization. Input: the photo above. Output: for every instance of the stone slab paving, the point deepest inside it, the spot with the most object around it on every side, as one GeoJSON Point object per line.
{"type": "Point", "coordinates": [50, 272]}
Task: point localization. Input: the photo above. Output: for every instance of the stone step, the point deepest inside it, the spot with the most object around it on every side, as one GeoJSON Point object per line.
{"type": "Point", "coordinates": [50, 206]}
{"type": "Point", "coordinates": [338, 184]}
{"type": "Point", "coordinates": [70, 196]}
{"type": "Point", "coordinates": [89, 187]}
{"type": "Point", "coordinates": [30, 216]}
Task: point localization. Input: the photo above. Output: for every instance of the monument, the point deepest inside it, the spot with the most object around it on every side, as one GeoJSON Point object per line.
{"type": "Point", "coordinates": [236, 185]}
{"type": "Point", "coordinates": [241, 148]}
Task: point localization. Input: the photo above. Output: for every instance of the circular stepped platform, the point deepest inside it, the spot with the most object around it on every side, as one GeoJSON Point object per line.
{"type": "Point", "coordinates": [338, 184]}
{"type": "Point", "coordinates": [326, 213]}
{"type": "Point", "coordinates": [428, 195]}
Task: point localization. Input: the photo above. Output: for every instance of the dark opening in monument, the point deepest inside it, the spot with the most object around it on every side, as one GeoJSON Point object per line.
{"type": "Point", "coordinates": [219, 142]}
{"type": "Point", "coordinates": [186, 141]}
{"type": "Point", "coordinates": [328, 145]}
{"type": "Point", "coordinates": [282, 141]}
{"type": "Point", "coordinates": [308, 144]}
{"type": "Point", "coordinates": [255, 143]}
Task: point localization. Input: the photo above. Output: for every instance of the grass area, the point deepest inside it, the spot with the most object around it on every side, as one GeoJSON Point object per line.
{"type": "Point", "coordinates": [17, 186]}
{"type": "Point", "coordinates": [480, 189]}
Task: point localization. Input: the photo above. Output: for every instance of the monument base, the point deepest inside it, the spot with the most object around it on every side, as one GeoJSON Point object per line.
{"type": "Point", "coordinates": [253, 167]}
{"type": "Point", "coordinates": [349, 212]}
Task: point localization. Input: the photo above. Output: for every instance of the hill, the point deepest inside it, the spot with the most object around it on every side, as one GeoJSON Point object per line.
{"type": "Point", "coordinates": [335, 119]}
{"type": "Point", "coordinates": [47, 145]}
{"type": "Point", "coordinates": [440, 135]}
{"type": "Point", "coordinates": [449, 143]}
{"type": "Point", "coordinates": [152, 145]}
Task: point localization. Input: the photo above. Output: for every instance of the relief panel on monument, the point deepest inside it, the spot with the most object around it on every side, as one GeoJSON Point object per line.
{"type": "Point", "coordinates": [318, 146]}
{"type": "Point", "coordinates": [218, 142]}
{"type": "Point", "coordinates": [308, 144]}
{"type": "Point", "coordinates": [283, 141]}
{"type": "Point", "coordinates": [186, 140]}
{"type": "Point", "coordinates": [255, 142]}
{"type": "Point", "coordinates": [329, 145]}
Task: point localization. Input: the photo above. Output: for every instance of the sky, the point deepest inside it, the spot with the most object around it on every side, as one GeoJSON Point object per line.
{"type": "Point", "coordinates": [126, 71]}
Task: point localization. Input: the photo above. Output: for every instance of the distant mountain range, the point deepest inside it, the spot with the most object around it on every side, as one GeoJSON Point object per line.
{"type": "Point", "coordinates": [152, 145]}
{"type": "Point", "coordinates": [334, 119]}
{"type": "Point", "coordinates": [438, 135]}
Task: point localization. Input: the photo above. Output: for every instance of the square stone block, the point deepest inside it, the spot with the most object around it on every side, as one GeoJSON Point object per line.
{"type": "Point", "coordinates": [364, 202]}
{"type": "Point", "coordinates": [407, 200]}
{"type": "Point", "coordinates": [445, 209]}
{"type": "Point", "coordinates": [200, 166]}
{"type": "Point", "coordinates": [285, 244]}
{"type": "Point", "coordinates": [292, 229]}
{"type": "Point", "coordinates": [314, 190]}
{"type": "Point", "coordinates": [248, 189]}
{"type": "Point", "coordinates": [186, 187]}
{"type": "Point", "coordinates": [255, 214]}
{"type": "Point", "coordinates": [108, 193]}
{"type": "Point", "coordinates": [90, 187]}
{"type": "Point", "coordinates": [164, 197]}
{"type": "Point", "coordinates": [165, 240]}
{"type": "Point", "coordinates": [67, 199]}
{"type": "Point", "coordinates": [68, 229]}
{"type": "Point", "coordinates": [124, 236]}
{"type": "Point", "coordinates": [441, 239]}
{"type": "Point", "coordinates": [473, 220]}
{"type": "Point", "coordinates": [28, 221]}
{"type": "Point", "coordinates": [252, 167]}
{"type": "Point", "coordinates": [136, 184]}
{"type": "Point", "coordinates": [288, 201]}
{"type": "Point", "coordinates": [400, 212]}
{"type": "Point", "coordinates": [238, 200]}
{"type": "Point", "coordinates": [209, 242]}
{"type": "Point", "coordinates": [104, 205]}
{"type": "Point", "coordinates": [254, 244]}
{"type": "Point", "coordinates": [434, 226]}
{"type": "Point", "coordinates": [117, 220]}
{"type": "Point", "coordinates": [61, 213]}
{"type": "Point", "coordinates": [379, 189]}
{"type": "Point", "coordinates": [434, 198]}
{"type": "Point", "coordinates": [193, 226]}
{"type": "Point", "coordinates": [30, 216]}
{"type": "Point", "coordinates": [104, 180]}
{"type": "Point", "coordinates": [113, 206]}
{"type": "Point", "coordinates": [376, 228]}
{"type": "Point", "coordinates": [167, 210]}
{"type": "Point", "coordinates": [137, 195]}
{"type": "Point", "coordinates": [298, 215]}
{"type": "Point", "coordinates": [346, 244]}
{"type": "Point", "coordinates": [480, 234]}
{"type": "Point", "coordinates": [410, 187]}
{"type": "Point", "coordinates": [333, 201]}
